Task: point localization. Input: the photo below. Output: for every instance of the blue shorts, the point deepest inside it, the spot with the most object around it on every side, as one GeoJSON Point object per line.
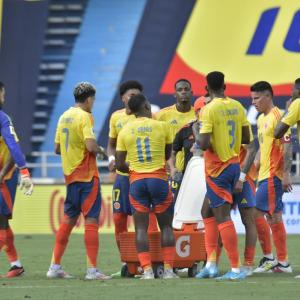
{"type": "Point", "coordinates": [152, 193]}
{"type": "Point", "coordinates": [247, 197]}
{"type": "Point", "coordinates": [219, 189]}
{"type": "Point", "coordinates": [120, 195]}
{"type": "Point", "coordinates": [269, 195]}
{"type": "Point", "coordinates": [7, 195]}
{"type": "Point", "coordinates": [83, 197]}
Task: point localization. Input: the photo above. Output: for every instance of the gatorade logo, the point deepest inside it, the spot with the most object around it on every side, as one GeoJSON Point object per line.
{"type": "Point", "coordinates": [183, 247]}
{"type": "Point", "coordinates": [260, 42]}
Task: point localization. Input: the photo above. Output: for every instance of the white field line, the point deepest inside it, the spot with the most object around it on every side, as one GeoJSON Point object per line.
{"type": "Point", "coordinates": [102, 284]}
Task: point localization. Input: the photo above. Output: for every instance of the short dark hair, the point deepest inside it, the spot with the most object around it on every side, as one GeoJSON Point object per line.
{"type": "Point", "coordinates": [1, 85]}
{"type": "Point", "coordinates": [261, 86]}
{"type": "Point", "coordinates": [83, 90]}
{"type": "Point", "coordinates": [215, 80]}
{"type": "Point", "coordinates": [129, 85]}
{"type": "Point", "coordinates": [297, 81]}
{"type": "Point", "coordinates": [184, 80]}
{"type": "Point", "coordinates": [135, 103]}
{"type": "Point", "coordinates": [206, 95]}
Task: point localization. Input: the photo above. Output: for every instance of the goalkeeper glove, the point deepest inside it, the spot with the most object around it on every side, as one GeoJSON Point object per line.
{"type": "Point", "coordinates": [26, 183]}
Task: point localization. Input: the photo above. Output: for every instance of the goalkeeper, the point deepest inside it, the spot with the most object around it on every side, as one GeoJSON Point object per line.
{"type": "Point", "coordinates": [10, 154]}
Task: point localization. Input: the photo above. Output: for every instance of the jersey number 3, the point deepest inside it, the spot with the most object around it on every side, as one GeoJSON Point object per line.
{"type": "Point", "coordinates": [231, 132]}
{"type": "Point", "coordinates": [140, 149]}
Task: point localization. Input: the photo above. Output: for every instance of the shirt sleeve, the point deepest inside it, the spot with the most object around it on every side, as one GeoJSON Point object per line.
{"type": "Point", "coordinates": [11, 140]}
{"type": "Point", "coordinates": [87, 127]}
{"type": "Point", "coordinates": [112, 128]}
{"type": "Point", "coordinates": [206, 121]}
{"type": "Point", "coordinates": [120, 143]}
{"type": "Point", "coordinates": [293, 114]}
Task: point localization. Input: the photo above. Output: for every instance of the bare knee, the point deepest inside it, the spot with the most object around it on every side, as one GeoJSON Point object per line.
{"type": "Point", "coordinates": [275, 218]}
{"type": "Point", "coordinates": [247, 216]}
{"type": "Point", "coordinates": [90, 221]}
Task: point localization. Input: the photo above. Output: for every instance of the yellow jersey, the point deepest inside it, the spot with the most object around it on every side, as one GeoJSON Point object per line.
{"type": "Point", "coordinates": [117, 121]}
{"type": "Point", "coordinates": [293, 115]}
{"type": "Point", "coordinates": [223, 118]}
{"type": "Point", "coordinates": [5, 155]}
{"type": "Point", "coordinates": [75, 126]}
{"type": "Point", "coordinates": [177, 120]}
{"type": "Point", "coordinates": [271, 149]}
{"type": "Point", "coordinates": [144, 140]}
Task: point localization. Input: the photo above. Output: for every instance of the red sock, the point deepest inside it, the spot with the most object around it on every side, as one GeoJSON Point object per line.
{"type": "Point", "coordinates": [168, 254]}
{"type": "Point", "coordinates": [11, 251]}
{"type": "Point", "coordinates": [61, 241]}
{"type": "Point", "coordinates": [279, 239]}
{"type": "Point", "coordinates": [2, 239]}
{"type": "Point", "coordinates": [145, 259]}
{"type": "Point", "coordinates": [211, 235]}
{"type": "Point", "coordinates": [264, 236]}
{"type": "Point", "coordinates": [152, 222]}
{"type": "Point", "coordinates": [249, 254]}
{"type": "Point", "coordinates": [230, 242]}
{"type": "Point", "coordinates": [91, 240]}
{"type": "Point", "coordinates": [120, 220]}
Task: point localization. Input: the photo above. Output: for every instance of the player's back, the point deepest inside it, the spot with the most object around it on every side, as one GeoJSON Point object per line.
{"type": "Point", "coordinates": [144, 140]}
{"type": "Point", "coordinates": [75, 126]}
{"type": "Point", "coordinates": [223, 118]}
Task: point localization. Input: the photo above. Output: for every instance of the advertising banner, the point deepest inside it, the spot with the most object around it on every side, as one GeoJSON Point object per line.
{"type": "Point", "coordinates": [291, 213]}
{"type": "Point", "coordinates": [43, 211]}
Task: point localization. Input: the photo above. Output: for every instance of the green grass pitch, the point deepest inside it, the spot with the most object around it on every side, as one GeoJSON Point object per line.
{"type": "Point", "coordinates": [35, 252]}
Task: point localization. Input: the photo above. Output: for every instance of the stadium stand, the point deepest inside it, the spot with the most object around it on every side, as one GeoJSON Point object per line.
{"type": "Point", "coordinates": [79, 65]}
{"type": "Point", "coordinates": [63, 27]}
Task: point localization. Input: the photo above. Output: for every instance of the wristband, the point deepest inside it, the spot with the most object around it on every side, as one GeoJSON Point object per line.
{"type": "Point", "coordinates": [111, 158]}
{"type": "Point", "coordinates": [25, 172]}
{"type": "Point", "coordinates": [242, 176]}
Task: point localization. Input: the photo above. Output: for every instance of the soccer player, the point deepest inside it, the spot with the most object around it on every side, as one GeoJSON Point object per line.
{"type": "Point", "coordinates": [273, 180]}
{"type": "Point", "coordinates": [177, 116]}
{"type": "Point", "coordinates": [120, 193]}
{"type": "Point", "coordinates": [146, 144]}
{"type": "Point", "coordinates": [184, 138]}
{"type": "Point", "coordinates": [224, 128]}
{"type": "Point", "coordinates": [121, 204]}
{"type": "Point", "coordinates": [292, 116]}
{"type": "Point", "coordinates": [76, 143]}
{"type": "Point", "coordinates": [10, 154]}
{"type": "Point", "coordinates": [244, 198]}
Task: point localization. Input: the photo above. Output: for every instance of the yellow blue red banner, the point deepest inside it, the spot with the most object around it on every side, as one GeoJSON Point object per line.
{"type": "Point", "coordinates": [43, 211]}
{"type": "Point", "coordinates": [248, 40]}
